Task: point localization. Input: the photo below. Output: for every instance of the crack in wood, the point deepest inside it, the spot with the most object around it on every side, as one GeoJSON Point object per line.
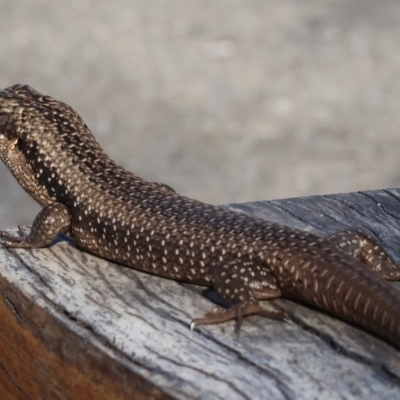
{"type": "Point", "coordinates": [11, 379]}
{"type": "Point", "coordinates": [292, 214]}
{"type": "Point", "coordinates": [203, 372]}
{"type": "Point", "coordinates": [330, 340]}
{"type": "Point", "coordinates": [285, 390]}
{"type": "Point", "coordinates": [11, 306]}
{"type": "Point", "coordinates": [381, 206]}
{"type": "Point", "coordinates": [14, 253]}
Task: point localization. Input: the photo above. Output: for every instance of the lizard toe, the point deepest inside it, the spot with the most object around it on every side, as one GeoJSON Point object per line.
{"type": "Point", "coordinates": [236, 312]}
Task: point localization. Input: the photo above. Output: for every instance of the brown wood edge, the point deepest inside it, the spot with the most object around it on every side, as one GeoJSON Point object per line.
{"type": "Point", "coordinates": [42, 358]}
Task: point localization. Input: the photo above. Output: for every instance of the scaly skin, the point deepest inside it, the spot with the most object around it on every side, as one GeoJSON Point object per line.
{"type": "Point", "coordinates": [119, 216]}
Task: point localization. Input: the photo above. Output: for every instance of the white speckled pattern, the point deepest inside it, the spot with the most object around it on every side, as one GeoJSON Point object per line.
{"type": "Point", "coordinates": [148, 226]}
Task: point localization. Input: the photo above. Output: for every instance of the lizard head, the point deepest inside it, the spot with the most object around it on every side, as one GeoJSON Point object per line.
{"type": "Point", "coordinates": [14, 102]}
{"type": "Point", "coordinates": [44, 141]}
{"type": "Point", "coordinates": [22, 125]}
{"type": "Point", "coordinates": [24, 112]}
{"type": "Point", "coordinates": [39, 136]}
{"type": "Point", "coordinates": [29, 119]}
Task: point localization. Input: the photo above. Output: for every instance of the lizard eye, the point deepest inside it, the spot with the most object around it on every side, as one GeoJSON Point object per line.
{"type": "Point", "coordinates": [3, 122]}
{"type": "Point", "coordinates": [5, 125]}
{"type": "Point", "coordinates": [4, 118]}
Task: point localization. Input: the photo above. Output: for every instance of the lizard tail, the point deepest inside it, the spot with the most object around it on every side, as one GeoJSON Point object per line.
{"type": "Point", "coordinates": [355, 294]}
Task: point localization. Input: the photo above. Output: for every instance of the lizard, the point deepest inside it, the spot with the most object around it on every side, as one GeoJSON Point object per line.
{"type": "Point", "coordinates": [119, 216]}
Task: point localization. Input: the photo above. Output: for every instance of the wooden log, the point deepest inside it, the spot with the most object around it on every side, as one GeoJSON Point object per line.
{"type": "Point", "coordinates": [74, 326]}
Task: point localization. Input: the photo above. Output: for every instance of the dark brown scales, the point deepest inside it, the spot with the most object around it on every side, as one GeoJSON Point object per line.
{"type": "Point", "coordinates": [145, 225]}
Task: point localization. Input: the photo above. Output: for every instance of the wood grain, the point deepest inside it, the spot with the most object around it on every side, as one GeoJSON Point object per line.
{"type": "Point", "coordinates": [74, 326]}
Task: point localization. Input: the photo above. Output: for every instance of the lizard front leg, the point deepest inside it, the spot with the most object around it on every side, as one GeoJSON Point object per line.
{"type": "Point", "coordinates": [359, 245]}
{"type": "Point", "coordinates": [241, 284]}
{"type": "Point", "coordinates": [51, 220]}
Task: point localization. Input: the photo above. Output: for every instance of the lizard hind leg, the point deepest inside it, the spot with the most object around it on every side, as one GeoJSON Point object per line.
{"type": "Point", "coordinates": [241, 284]}
{"type": "Point", "coordinates": [362, 247]}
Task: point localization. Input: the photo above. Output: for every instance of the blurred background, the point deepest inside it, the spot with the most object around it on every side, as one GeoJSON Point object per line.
{"type": "Point", "coordinates": [225, 101]}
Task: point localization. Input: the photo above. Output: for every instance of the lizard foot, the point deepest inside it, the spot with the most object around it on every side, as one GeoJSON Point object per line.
{"type": "Point", "coordinates": [237, 312]}
{"type": "Point", "coordinates": [15, 241]}
{"type": "Point", "coordinates": [51, 220]}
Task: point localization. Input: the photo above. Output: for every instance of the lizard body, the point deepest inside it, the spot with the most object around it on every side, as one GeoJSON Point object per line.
{"type": "Point", "coordinates": [119, 216]}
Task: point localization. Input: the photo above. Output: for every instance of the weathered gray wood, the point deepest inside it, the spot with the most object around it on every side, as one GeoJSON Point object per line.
{"type": "Point", "coordinates": [134, 326]}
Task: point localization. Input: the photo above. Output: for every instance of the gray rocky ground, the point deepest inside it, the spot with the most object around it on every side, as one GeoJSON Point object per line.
{"type": "Point", "coordinates": [226, 101]}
